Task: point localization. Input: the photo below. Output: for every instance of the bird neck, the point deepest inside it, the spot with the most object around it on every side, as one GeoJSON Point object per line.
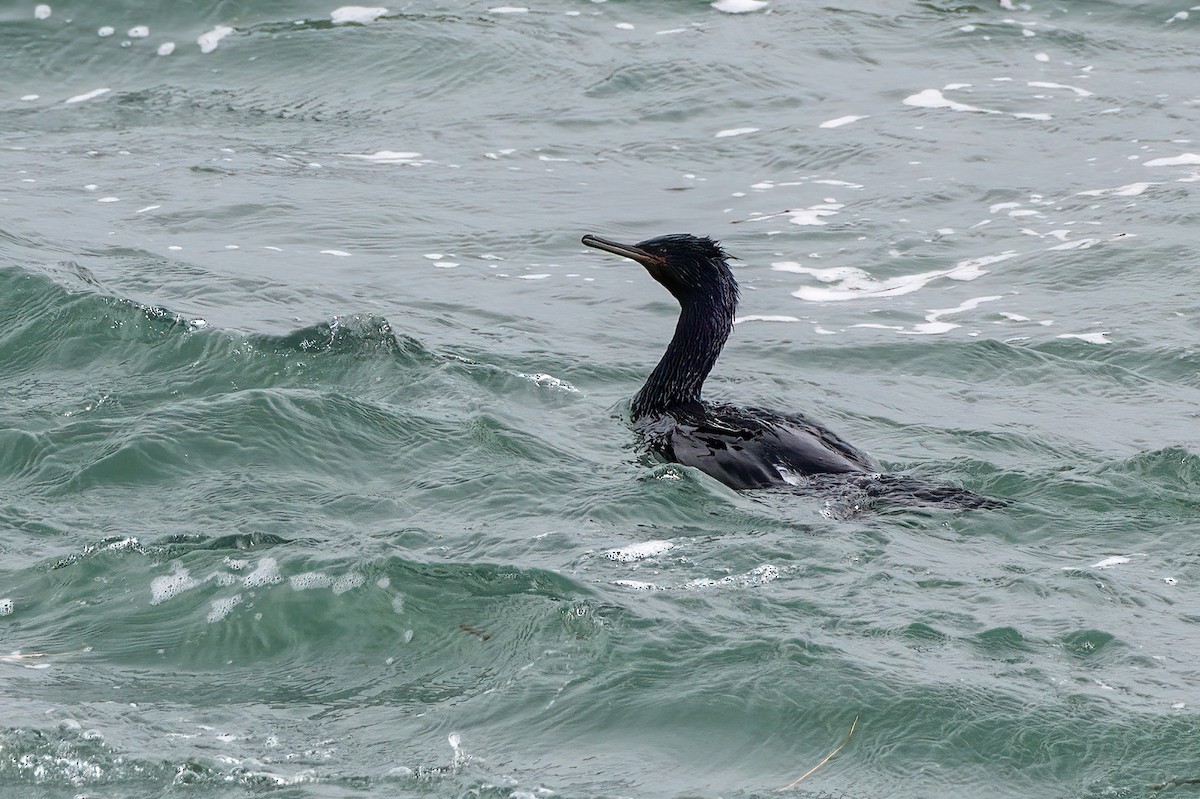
{"type": "Point", "coordinates": [704, 326]}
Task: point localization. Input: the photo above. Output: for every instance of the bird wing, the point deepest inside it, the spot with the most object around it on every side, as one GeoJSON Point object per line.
{"type": "Point", "coordinates": [752, 448]}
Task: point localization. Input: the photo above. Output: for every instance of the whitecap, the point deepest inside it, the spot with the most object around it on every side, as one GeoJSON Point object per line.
{"type": "Point", "coordinates": [361, 15]}
{"type": "Point", "coordinates": [266, 573]}
{"type": "Point", "coordinates": [549, 381]}
{"type": "Point", "coordinates": [1090, 338]}
{"type": "Point", "coordinates": [209, 41]}
{"type": "Point", "coordinates": [388, 157]}
{"type": "Point", "coordinates": [1187, 159]}
{"type": "Point", "coordinates": [1041, 84]}
{"type": "Point", "coordinates": [171, 585]}
{"type": "Point", "coordinates": [79, 98]}
{"type": "Point", "coordinates": [738, 6]}
{"type": "Point", "coordinates": [42, 11]}
{"type": "Point", "coordinates": [722, 134]}
{"type": "Point", "coordinates": [1130, 190]}
{"type": "Point", "coordinates": [646, 549]}
{"type": "Point", "coordinates": [839, 121]}
{"type": "Point", "coordinates": [637, 585]}
{"type": "Point", "coordinates": [222, 607]}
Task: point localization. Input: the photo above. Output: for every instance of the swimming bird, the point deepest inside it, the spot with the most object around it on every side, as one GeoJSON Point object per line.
{"type": "Point", "coordinates": [744, 448]}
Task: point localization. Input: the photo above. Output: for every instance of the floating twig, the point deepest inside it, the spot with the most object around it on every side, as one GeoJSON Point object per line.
{"type": "Point", "coordinates": [828, 757]}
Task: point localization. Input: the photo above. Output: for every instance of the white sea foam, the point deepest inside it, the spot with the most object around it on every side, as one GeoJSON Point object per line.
{"type": "Point", "coordinates": [29, 97]}
{"type": "Point", "coordinates": [171, 585]}
{"type": "Point", "coordinates": [309, 580]}
{"type": "Point", "coordinates": [760, 575]}
{"type": "Point", "coordinates": [266, 573]}
{"type": "Point", "coordinates": [646, 549]}
{"type": "Point", "coordinates": [1130, 190]}
{"type": "Point", "coordinates": [508, 10]}
{"type": "Point", "coordinates": [549, 381]}
{"type": "Point", "coordinates": [1090, 338]}
{"type": "Point", "coordinates": [338, 253]}
{"type": "Point", "coordinates": [209, 41]}
{"type": "Point", "coordinates": [361, 15]}
{"type": "Point", "coordinates": [1041, 84]}
{"type": "Point", "coordinates": [813, 215]}
{"type": "Point", "coordinates": [738, 6]}
{"type": "Point", "coordinates": [109, 200]}
{"type": "Point", "coordinates": [42, 11]}
{"type": "Point", "coordinates": [222, 607]}
{"type": "Point", "coordinates": [79, 98]}
{"type": "Point", "coordinates": [723, 134]}
{"type": "Point", "coordinates": [147, 208]}
{"type": "Point", "coordinates": [839, 121]}
{"type": "Point", "coordinates": [388, 157]}
{"type": "Point", "coordinates": [765, 318]}
{"type": "Point", "coordinates": [932, 98]}
{"type": "Point", "coordinates": [637, 585]}
{"type": "Point", "coordinates": [625, 26]}
{"type": "Point", "coordinates": [1078, 244]}
{"type": "Point", "coordinates": [933, 324]}
{"type": "Point", "coordinates": [347, 582]}
{"type": "Point", "coordinates": [854, 283]}
{"type": "Point", "coordinates": [1187, 159]}
{"type": "Point", "coordinates": [166, 48]}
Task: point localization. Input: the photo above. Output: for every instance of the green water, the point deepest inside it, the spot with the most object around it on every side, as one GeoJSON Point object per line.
{"type": "Point", "coordinates": [316, 478]}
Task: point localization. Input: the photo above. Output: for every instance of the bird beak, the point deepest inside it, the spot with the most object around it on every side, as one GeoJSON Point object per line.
{"type": "Point", "coordinates": [624, 250]}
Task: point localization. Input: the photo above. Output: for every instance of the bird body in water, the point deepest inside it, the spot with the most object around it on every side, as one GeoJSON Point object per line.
{"type": "Point", "coordinates": [742, 447]}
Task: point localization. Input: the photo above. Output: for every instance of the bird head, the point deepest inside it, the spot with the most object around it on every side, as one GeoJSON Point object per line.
{"type": "Point", "coordinates": [692, 268]}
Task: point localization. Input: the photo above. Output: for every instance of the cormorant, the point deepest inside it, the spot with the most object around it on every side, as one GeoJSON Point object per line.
{"type": "Point", "coordinates": [742, 447]}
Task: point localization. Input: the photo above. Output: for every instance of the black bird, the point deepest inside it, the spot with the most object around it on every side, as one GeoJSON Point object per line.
{"type": "Point", "coordinates": [742, 447]}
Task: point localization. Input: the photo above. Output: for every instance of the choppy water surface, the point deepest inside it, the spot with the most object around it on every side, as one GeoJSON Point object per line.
{"type": "Point", "coordinates": [315, 474]}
